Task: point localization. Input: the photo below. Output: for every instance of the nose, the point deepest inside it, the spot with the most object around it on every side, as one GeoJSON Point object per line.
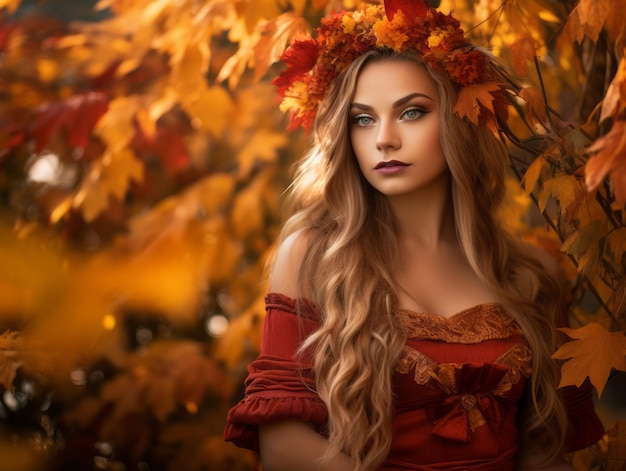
{"type": "Point", "coordinates": [387, 137]}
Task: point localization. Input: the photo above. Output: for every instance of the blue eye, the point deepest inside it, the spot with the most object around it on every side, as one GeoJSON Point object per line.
{"type": "Point", "coordinates": [412, 113]}
{"type": "Point", "coordinates": [362, 120]}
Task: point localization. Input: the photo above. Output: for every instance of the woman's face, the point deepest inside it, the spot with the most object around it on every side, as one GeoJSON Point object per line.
{"type": "Point", "coordinates": [395, 127]}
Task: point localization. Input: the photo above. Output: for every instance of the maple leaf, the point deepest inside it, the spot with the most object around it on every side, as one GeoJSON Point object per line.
{"type": "Point", "coordinates": [108, 177]}
{"type": "Point", "coordinates": [276, 34]}
{"type": "Point", "coordinates": [588, 18]}
{"type": "Point", "coordinates": [473, 99]}
{"type": "Point", "coordinates": [78, 115]}
{"type": "Point", "coordinates": [594, 353]}
{"type": "Point", "coordinates": [584, 245]}
{"type": "Point", "coordinates": [609, 158]}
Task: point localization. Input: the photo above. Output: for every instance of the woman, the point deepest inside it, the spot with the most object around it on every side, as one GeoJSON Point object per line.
{"type": "Point", "coordinates": [405, 328]}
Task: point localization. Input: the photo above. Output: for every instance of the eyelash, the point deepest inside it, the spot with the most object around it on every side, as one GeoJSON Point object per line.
{"type": "Point", "coordinates": [357, 119]}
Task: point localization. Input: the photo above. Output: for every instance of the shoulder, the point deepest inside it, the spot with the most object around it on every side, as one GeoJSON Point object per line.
{"type": "Point", "coordinates": [287, 262]}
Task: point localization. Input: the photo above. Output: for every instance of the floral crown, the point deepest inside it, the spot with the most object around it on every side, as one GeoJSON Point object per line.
{"type": "Point", "coordinates": [312, 64]}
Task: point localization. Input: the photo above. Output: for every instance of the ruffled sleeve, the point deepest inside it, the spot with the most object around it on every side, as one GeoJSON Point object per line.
{"type": "Point", "coordinates": [279, 385]}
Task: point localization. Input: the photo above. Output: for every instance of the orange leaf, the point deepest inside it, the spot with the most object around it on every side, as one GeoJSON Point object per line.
{"type": "Point", "coordinates": [522, 51]}
{"type": "Point", "coordinates": [277, 33]}
{"type": "Point", "coordinates": [616, 93]}
{"type": "Point", "coordinates": [610, 159]}
{"type": "Point", "coordinates": [531, 177]}
{"type": "Point", "coordinates": [593, 354]}
{"type": "Point", "coordinates": [588, 18]}
{"type": "Point", "coordinates": [535, 105]}
{"type": "Point", "coordinates": [472, 99]}
{"type": "Point", "coordinates": [9, 364]}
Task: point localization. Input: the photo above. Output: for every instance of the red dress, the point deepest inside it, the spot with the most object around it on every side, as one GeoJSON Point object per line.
{"type": "Point", "coordinates": [457, 387]}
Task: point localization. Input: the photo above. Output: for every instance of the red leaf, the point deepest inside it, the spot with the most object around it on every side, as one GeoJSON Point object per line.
{"type": "Point", "coordinates": [78, 115]}
{"type": "Point", "coordinates": [410, 8]}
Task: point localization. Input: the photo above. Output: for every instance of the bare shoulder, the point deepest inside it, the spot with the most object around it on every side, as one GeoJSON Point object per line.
{"type": "Point", "coordinates": [287, 263]}
{"type": "Point", "coordinates": [549, 263]}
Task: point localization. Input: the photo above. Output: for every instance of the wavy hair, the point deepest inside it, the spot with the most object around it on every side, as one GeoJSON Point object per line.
{"type": "Point", "coordinates": [347, 271]}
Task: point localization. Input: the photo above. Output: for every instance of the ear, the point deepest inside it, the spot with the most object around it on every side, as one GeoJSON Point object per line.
{"type": "Point", "coordinates": [410, 8]}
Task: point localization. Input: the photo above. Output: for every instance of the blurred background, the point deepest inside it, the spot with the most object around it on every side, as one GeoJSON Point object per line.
{"type": "Point", "coordinates": [143, 158]}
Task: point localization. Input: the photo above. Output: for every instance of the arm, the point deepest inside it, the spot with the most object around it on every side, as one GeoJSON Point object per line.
{"type": "Point", "coordinates": [294, 446]}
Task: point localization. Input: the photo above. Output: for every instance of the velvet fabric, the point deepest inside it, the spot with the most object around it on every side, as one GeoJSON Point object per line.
{"type": "Point", "coordinates": [457, 388]}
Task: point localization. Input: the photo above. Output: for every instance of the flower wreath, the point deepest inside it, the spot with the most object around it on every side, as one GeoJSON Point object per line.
{"type": "Point", "coordinates": [312, 64]}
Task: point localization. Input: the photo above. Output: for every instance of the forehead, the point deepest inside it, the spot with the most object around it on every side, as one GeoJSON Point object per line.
{"type": "Point", "coordinates": [389, 80]}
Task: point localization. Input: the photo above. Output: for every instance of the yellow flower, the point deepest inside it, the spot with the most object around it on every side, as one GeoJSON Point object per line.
{"type": "Point", "coordinates": [434, 40]}
{"type": "Point", "coordinates": [347, 23]}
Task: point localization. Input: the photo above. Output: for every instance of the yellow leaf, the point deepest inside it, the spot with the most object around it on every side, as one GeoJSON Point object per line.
{"type": "Point", "coordinates": [259, 10]}
{"type": "Point", "coordinates": [262, 147]}
{"type": "Point", "coordinates": [593, 354]}
{"type": "Point", "coordinates": [210, 109]}
{"type": "Point", "coordinates": [115, 128]}
{"type": "Point", "coordinates": [563, 188]}
{"type": "Point", "coordinates": [584, 245]}
{"type": "Point", "coordinates": [531, 177]}
{"type": "Point", "coordinates": [108, 177]}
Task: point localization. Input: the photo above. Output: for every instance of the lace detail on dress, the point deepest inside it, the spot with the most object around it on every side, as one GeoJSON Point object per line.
{"type": "Point", "coordinates": [423, 365]}
{"type": "Point", "coordinates": [518, 361]}
{"type": "Point", "coordinates": [473, 325]}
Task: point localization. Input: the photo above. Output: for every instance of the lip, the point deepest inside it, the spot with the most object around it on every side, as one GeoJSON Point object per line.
{"type": "Point", "coordinates": [389, 167]}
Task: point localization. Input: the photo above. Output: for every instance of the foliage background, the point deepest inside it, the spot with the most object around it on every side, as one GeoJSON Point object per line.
{"type": "Point", "coordinates": [142, 162]}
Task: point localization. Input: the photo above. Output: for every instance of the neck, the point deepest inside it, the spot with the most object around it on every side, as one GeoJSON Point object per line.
{"type": "Point", "coordinates": [426, 217]}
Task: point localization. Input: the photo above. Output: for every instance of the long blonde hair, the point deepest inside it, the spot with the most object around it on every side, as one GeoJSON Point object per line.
{"type": "Point", "coordinates": [347, 271]}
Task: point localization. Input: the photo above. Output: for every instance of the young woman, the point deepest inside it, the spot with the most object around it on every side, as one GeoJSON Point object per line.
{"type": "Point", "coordinates": [405, 329]}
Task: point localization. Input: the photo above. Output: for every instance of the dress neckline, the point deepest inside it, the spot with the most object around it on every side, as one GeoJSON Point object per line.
{"type": "Point", "coordinates": [477, 308]}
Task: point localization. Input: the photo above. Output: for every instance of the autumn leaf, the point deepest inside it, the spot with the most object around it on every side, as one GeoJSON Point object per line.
{"type": "Point", "coordinates": [9, 364]}
{"type": "Point", "coordinates": [108, 177]}
{"type": "Point", "coordinates": [533, 173]}
{"type": "Point", "coordinates": [535, 105]}
{"type": "Point", "coordinates": [615, 97]}
{"type": "Point", "coordinates": [77, 115]}
{"type": "Point", "coordinates": [522, 52]}
{"type": "Point", "coordinates": [588, 18]}
{"type": "Point", "coordinates": [275, 35]}
{"type": "Point", "coordinates": [584, 245]}
{"type": "Point", "coordinates": [593, 354]}
{"type": "Point", "coordinates": [563, 188]}
{"type": "Point", "coordinates": [471, 99]}
{"type": "Point", "coordinates": [609, 158]}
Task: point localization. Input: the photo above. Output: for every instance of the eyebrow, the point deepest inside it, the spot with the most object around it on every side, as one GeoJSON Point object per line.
{"type": "Point", "coordinates": [396, 104]}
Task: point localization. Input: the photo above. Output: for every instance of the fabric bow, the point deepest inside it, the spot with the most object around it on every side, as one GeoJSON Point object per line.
{"type": "Point", "coordinates": [470, 402]}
